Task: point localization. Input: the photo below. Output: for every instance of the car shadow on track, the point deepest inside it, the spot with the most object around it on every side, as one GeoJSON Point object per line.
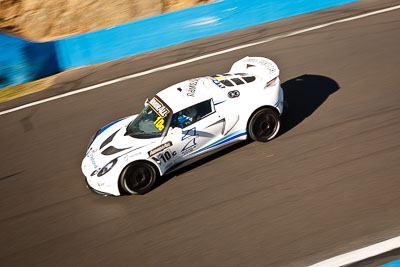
{"type": "Point", "coordinates": [200, 162]}
{"type": "Point", "coordinates": [303, 95]}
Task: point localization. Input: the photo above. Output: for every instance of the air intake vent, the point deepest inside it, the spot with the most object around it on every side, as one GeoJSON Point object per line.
{"type": "Point", "coordinates": [108, 140]}
{"type": "Point", "coordinates": [112, 150]}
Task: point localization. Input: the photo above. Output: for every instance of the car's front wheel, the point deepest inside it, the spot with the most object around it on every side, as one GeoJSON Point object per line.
{"type": "Point", "coordinates": [138, 178]}
{"type": "Point", "coordinates": [264, 125]}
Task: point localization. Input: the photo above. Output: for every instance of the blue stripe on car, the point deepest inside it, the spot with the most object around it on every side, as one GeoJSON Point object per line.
{"type": "Point", "coordinates": [133, 150]}
{"type": "Point", "coordinates": [109, 125]}
{"type": "Point", "coordinates": [277, 103]}
{"type": "Point", "coordinates": [219, 102]}
{"type": "Point", "coordinates": [223, 140]}
{"type": "Point", "coordinates": [229, 139]}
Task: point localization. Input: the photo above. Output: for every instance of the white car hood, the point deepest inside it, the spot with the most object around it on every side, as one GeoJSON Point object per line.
{"type": "Point", "coordinates": [112, 143]}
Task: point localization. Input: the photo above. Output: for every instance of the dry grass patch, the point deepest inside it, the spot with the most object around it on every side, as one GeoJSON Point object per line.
{"type": "Point", "coordinates": [14, 91]}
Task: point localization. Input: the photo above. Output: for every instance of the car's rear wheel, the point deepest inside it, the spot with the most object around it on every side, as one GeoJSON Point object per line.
{"type": "Point", "coordinates": [264, 125]}
{"type": "Point", "coordinates": [138, 178]}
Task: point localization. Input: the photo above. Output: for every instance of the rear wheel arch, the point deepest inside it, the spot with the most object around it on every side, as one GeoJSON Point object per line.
{"type": "Point", "coordinates": [265, 106]}
{"type": "Point", "coordinates": [257, 109]}
{"type": "Point", "coordinates": [275, 128]}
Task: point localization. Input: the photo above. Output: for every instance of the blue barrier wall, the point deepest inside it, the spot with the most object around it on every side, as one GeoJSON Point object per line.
{"type": "Point", "coordinates": [11, 60]}
{"type": "Point", "coordinates": [22, 61]}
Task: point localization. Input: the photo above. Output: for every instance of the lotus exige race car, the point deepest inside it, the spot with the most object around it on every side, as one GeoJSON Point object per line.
{"type": "Point", "coordinates": [183, 123]}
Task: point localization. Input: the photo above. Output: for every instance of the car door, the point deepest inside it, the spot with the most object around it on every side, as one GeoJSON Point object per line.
{"type": "Point", "coordinates": [194, 129]}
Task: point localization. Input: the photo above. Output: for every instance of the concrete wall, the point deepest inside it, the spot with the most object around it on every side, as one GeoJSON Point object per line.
{"type": "Point", "coordinates": [22, 61]}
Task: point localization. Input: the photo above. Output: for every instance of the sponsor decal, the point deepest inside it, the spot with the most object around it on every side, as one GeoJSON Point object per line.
{"type": "Point", "coordinates": [189, 147]}
{"type": "Point", "coordinates": [268, 65]}
{"type": "Point", "coordinates": [134, 154]}
{"type": "Point", "coordinates": [93, 161]}
{"type": "Point", "coordinates": [159, 148]}
{"type": "Point", "coordinates": [218, 83]}
{"type": "Point", "coordinates": [192, 87]}
{"type": "Point", "coordinates": [103, 184]}
{"type": "Point", "coordinates": [158, 107]}
{"type": "Point", "coordinates": [189, 133]}
{"type": "Point", "coordinates": [233, 94]}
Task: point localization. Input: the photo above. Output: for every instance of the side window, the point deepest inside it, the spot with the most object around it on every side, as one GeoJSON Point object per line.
{"type": "Point", "coordinates": [192, 114]}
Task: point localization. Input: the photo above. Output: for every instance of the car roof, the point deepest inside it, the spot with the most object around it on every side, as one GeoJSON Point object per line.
{"type": "Point", "coordinates": [193, 91]}
{"type": "Point", "coordinates": [187, 93]}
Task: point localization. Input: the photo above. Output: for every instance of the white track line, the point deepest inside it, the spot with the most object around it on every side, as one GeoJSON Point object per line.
{"type": "Point", "coordinates": [361, 254]}
{"type": "Point", "coordinates": [173, 65]}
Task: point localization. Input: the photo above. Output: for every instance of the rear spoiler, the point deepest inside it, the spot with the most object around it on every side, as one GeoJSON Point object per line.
{"type": "Point", "coordinates": [260, 66]}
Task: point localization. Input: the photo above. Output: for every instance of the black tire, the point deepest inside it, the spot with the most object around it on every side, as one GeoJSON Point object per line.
{"type": "Point", "coordinates": [138, 178]}
{"type": "Point", "coordinates": [264, 125]}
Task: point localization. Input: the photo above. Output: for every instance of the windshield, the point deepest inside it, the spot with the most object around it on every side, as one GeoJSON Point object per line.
{"type": "Point", "coordinates": [151, 122]}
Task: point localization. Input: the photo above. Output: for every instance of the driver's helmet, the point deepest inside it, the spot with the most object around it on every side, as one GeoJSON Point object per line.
{"type": "Point", "coordinates": [186, 117]}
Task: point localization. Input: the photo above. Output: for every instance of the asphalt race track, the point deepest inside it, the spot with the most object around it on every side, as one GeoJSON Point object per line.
{"type": "Point", "coordinates": [328, 184]}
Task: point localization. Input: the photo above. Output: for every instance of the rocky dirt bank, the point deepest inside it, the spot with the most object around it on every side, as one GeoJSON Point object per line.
{"type": "Point", "coordinates": [43, 20]}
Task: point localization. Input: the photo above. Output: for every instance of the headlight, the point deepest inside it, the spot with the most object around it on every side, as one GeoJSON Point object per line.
{"type": "Point", "coordinates": [92, 139]}
{"type": "Point", "coordinates": [107, 168]}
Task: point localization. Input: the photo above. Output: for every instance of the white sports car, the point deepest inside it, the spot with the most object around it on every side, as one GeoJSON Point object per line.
{"type": "Point", "coordinates": [183, 123]}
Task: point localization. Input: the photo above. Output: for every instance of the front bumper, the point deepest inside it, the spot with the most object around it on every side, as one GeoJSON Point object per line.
{"type": "Point", "coordinates": [95, 191]}
{"type": "Point", "coordinates": [107, 185]}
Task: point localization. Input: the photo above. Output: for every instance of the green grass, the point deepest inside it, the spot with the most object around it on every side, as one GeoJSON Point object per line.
{"type": "Point", "coordinates": [14, 91]}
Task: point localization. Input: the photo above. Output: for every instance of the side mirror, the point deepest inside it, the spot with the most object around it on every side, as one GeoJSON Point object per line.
{"type": "Point", "coordinates": [146, 102]}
